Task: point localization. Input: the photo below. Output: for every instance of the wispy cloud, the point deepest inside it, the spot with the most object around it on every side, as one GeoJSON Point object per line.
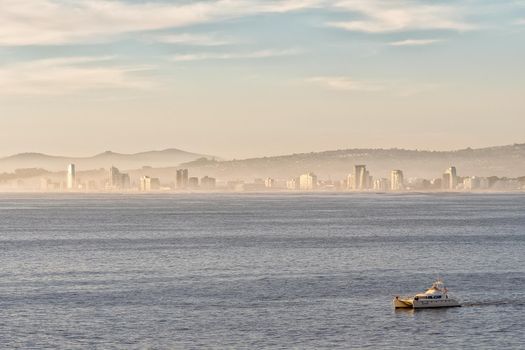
{"type": "Point", "coordinates": [415, 42]}
{"type": "Point", "coordinates": [344, 83]}
{"type": "Point", "coordinates": [235, 55]}
{"type": "Point", "coordinates": [51, 22]}
{"type": "Point", "coordinates": [69, 75]}
{"type": "Point", "coordinates": [349, 84]}
{"type": "Point", "coordinates": [383, 16]}
{"type": "Point", "coordinates": [193, 39]}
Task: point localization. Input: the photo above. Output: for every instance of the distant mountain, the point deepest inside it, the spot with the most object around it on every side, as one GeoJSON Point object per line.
{"type": "Point", "coordinates": [502, 161]}
{"type": "Point", "coordinates": [166, 158]}
{"type": "Point", "coordinates": [499, 161]}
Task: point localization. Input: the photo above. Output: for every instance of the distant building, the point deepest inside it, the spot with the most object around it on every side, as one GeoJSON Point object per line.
{"type": "Point", "coordinates": [450, 179]}
{"type": "Point", "coordinates": [269, 182]}
{"type": "Point", "coordinates": [257, 185]}
{"type": "Point", "coordinates": [484, 183]}
{"type": "Point", "coordinates": [48, 185]}
{"type": "Point", "coordinates": [471, 183]}
{"type": "Point", "coordinates": [193, 182]}
{"type": "Point", "coordinates": [397, 182]}
{"type": "Point", "coordinates": [350, 182]}
{"type": "Point", "coordinates": [182, 178]}
{"type": "Point", "coordinates": [419, 184]}
{"type": "Point", "coordinates": [208, 183]}
{"type": "Point", "coordinates": [118, 180]}
{"type": "Point", "coordinates": [361, 178]}
{"type": "Point", "coordinates": [381, 185]}
{"type": "Point", "coordinates": [308, 182]}
{"type": "Point", "coordinates": [436, 184]}
{"type": "Point", "coordinates": [235, 185]}
{"type": "Point", "coordinates": [292, 184]}
{"type": "Point", "coordinates": [71, 177]}
{"type": "Point", "coordinates": [148, 184]}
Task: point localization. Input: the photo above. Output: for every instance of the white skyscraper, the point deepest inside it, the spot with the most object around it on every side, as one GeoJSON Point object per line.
{"type": "Point", "coordinates": [71, 177]}
{"type": "Point", "coordinates": [350, 182]}
{"type": "Point", "coordinates": [308, 182]}
{"type": "Point", "coordinates": [450, 179]}
{"type": "Point", "coordinates": [396, 180]}
{"type": "Point", "coordinates": [361, 178]}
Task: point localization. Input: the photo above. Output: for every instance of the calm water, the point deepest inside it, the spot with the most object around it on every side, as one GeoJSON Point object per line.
{"type": "Point", "coordinates": [259, 271]}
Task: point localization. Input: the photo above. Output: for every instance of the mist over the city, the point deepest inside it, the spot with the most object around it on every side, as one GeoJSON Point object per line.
{"type": "Point", "coordinates": [493, 168]}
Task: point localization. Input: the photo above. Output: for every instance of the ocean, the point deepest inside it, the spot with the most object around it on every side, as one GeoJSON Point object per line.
{"type": "Point", "coordinates": [250, 271]}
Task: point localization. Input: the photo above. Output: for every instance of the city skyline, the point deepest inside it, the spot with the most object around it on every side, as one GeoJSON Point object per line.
{"type": "Point", "coordinates": [360, 180]}
{"type": "Point", "coordinates": [249, 78]}
{"type": "Point", "coordinates": [502, 161]}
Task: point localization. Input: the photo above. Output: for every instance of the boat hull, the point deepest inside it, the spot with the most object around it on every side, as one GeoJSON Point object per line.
{"type": "Point", "coordinates": [402, 303]}
{"type": "Point", "coordinates": [426, 304]}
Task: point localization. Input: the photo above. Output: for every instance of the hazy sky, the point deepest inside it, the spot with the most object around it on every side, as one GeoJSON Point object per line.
{"type": "Point", "coordinates": [241, 78]}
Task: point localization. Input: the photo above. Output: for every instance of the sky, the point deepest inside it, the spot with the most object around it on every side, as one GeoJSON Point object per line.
{"type": "Point", "coordinates": [247, 78]}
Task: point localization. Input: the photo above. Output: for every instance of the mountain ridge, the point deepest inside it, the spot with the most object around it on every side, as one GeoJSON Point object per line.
{"type": "Point", "coordinates": [503, 160]}
{"type": "Point", "coordinates": [506, 160]}
{"type": "Point", "coordinates": [155, 158]}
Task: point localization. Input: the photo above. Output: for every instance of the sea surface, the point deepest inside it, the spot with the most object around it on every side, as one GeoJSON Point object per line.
{"type": "Point", "coordinates": [257, 271]}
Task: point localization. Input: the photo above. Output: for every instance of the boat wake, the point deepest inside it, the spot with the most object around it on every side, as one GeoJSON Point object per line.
{"type": "Point", "coordinates": [494, 303]}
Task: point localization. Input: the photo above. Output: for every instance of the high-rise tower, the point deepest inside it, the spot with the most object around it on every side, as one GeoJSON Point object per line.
{"type": "Point", "coordinates": [360, 178]}
{"type": "Point", "coordinates": [71, 177]}
{"type": "Point", "coordinates": [396, 180]}
{"type": "Point", "coordinates": [450, 179]}
{"type": "Point", "coordinates": [182, 178]}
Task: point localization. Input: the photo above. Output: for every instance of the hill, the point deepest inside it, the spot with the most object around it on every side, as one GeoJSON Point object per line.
{"type": "Point", "coordinates": [502, 161]}
{"type": "Point", "coordinates": [499, 161]}
{"type": "Point", "coordinates": [165, 158]}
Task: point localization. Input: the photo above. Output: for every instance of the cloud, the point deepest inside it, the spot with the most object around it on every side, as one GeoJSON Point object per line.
{"type": "Point", "coordinates": [398, 88]}
{"type": "Point", "coordinates": [415, 42]}
{"type": "Point", "coordinates": [69, 75]}
{"type": "Point", "coordinates": [62, 22]}
{"type": "Point", "coordinates": [384, 16]}
{"type": "Point", "coordinates": [55, 22]}
{"type": "Point", "coordinates": [234, 56]}
{"type": "Point", "coordinates": [192, 39]}
{"type": "Point", "coordinates": [344, 83]}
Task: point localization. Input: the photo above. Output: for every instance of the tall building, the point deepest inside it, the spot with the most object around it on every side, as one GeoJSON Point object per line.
{"type": "Point", "coordinates": [182, 178]}
{"type": "Point", "coordinates": [350, 182]}
{"type": "Point", "coordinates": [308, 182]}
{"type": "Point", "coordinates": [361, 178]}
{"type": "Point", "coordinates": [115, 177]}
{"type": "Point", "coordinates": [118, 180]}
{"type": "Point", "coordinates": [208, 182]}
{"type": "Point", "coordinates": [149, 184]}
{"type": "Point", "coordinates": [397, 182]}
{"type": "Point", "coordinates": [450, 179]}
{"type": "Point", "coordinates": [71, 177]}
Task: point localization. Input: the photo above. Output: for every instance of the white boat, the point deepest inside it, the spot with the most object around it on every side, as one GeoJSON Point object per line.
{"type": "Point", "coordinates": [435, 296]}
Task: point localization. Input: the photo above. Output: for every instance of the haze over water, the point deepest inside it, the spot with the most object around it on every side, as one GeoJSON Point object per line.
{"type": "Point", "coordinates": [247, 271]}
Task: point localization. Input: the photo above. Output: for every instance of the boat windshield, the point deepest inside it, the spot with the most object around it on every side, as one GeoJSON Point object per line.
{"type": "Point", "coordinates": [438, 285]}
